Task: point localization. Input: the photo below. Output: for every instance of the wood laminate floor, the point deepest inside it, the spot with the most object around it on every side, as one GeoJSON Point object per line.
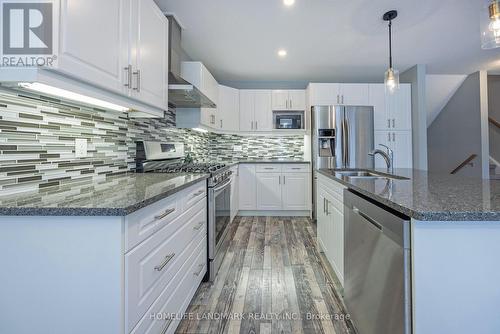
{"type": "Point", "coordinates": [272, 280]}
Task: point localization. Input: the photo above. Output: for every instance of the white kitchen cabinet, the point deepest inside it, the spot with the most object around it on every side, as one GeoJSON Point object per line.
{"type": "Point", "coordinates": [247, 187]}
{"type": "Point", "coordinates": [401, 144]}
{"type": "Point", "coordinates": [337, 93]}
{"type": "Point", "coordinates": [228, 109]}
{"type": "Point", "coordinates": [89, 52]}
{"type": "Point", "coordinates": [330, 223]}
{"type": "Point", "coordinates": [268, 191]}
{"type": "Point", "coordinates": [295, 191]}
{"type": "Point", "coordinates": [391, 111]}
{"type": "Point", "coordinates": [255, 110]}
{"type": "Point", "coordinates": [289, 99]}
{"type": "Point", "coordinates": [354, 94]}
{"type": "Point", "coordinates": [278, 187]}
{"type": "Point", "coordinates": [149, 53]}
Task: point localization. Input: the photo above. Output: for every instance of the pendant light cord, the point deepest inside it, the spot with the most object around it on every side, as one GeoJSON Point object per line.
{"type": "Point", "coordinates": [390, 44]}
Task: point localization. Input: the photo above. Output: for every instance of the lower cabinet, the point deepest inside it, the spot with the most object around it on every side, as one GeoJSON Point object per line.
{"type": "Point", "coordinates": [234, 200]}
{"type": "Point", "coordinates": [330, 223]}
{"type": "Point", "coordinates": [275, 187]}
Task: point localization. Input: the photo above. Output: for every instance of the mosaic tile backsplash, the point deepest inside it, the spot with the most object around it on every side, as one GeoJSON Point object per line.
{"type": "Point", "coordinates": [37, 137]}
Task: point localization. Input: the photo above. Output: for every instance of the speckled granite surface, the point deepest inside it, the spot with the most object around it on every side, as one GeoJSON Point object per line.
{"type": "Point", "coordinates": [431, 197]}
{"type": "Point", "coordinates": [274, 162]}
{"type": "Point", "coordinates": [114, 196]}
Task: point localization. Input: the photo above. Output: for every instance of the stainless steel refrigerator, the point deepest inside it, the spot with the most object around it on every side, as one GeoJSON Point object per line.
{"type": "Point", "coordinates": [342, 137]}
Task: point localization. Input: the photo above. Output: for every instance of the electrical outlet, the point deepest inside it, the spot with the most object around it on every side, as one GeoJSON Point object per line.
{"type": "Point", "coordinates": [237, 148]}
{"type": "Point", "coordinates": [80, 148]}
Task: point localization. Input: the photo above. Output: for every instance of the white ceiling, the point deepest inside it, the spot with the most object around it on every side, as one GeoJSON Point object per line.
{"type": "Point", "coordinates": [330, 40]}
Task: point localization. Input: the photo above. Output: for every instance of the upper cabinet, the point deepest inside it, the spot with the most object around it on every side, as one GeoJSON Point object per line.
{"type": "Point", "coordinates": [228, 109]}
{"type": "Point", "coordinates": [255, 110]}
{"type": "Point", "coordinates": [129, 57]}
{"type": "Point", "coordinates": [335, 94]}
{"type": "Point", "coordinates": [289, 99]}
{"type": "Point", "coordinates": [392, 111]}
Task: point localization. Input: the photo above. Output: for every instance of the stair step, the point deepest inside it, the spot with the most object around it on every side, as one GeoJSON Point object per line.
{"type": "Point", "coordinates": [495, 176]}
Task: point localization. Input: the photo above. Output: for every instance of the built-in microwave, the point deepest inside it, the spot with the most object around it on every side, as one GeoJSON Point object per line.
{"type": "Point", "coordinates": [288, 120]}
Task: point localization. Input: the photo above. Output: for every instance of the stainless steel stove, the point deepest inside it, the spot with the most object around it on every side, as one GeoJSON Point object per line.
{"type": "Point", "coordinates": [160, 157]}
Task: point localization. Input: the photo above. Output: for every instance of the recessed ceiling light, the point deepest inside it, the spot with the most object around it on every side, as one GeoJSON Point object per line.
{"type": "Point", "coordinates": [282, 53]}
{"type": "Point", "coordinates": [289, 2]}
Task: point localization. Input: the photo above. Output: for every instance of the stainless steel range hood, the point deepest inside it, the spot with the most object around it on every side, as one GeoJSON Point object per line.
{"type": "Point", "coordinates": [181, 93]}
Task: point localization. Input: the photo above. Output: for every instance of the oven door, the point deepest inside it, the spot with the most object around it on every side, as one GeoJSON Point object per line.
{"type": "Point", "coordinates": [219, 217]}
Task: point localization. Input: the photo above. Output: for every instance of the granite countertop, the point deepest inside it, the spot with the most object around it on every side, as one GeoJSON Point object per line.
{"type": "Point", "coordinates": [114, 196]}
{"type": "Point", "coordinates": [430, 197]}
{"type": "Point", "coordinates": [274, 162]}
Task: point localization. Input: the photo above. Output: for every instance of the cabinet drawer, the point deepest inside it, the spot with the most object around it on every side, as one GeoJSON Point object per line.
{"type": "Point", "coordinates": [194, 194]}
{"type": "Point", "coordinates": [152, 265]}
{"type": "Point", "coordinates": [296, 168]}
{"type": "Point", "coordinates": [145, 222]}
{"type": "Point", "coordinates": [268, 168]}
{"type": "Point", "coordinates": [176, 297]}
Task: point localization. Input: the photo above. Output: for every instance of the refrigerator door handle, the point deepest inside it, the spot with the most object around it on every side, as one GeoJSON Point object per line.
{"type": "Point", "coordinates": [347, 139]}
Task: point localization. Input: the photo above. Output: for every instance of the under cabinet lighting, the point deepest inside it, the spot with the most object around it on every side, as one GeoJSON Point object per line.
{"type": "Point", "coordinates": [200, 130]}
{"type": "Point", "coordinates": [66, 94]}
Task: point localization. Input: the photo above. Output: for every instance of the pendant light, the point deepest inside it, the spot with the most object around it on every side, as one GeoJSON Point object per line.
{"type": "Point", "coordinates": [391, 75]}
{"type": "Point", "coordinates": [490, 25]}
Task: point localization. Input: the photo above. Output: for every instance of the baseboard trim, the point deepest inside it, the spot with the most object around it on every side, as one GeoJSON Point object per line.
{"type": "Point", "coordinates": [246, 213]}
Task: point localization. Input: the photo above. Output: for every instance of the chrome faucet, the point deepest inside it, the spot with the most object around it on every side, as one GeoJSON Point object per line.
{"type": "Point", "coordinates": [388, 156]}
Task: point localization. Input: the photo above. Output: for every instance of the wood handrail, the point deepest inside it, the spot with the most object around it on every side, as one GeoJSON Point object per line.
{"type": "Point", "coordinates": [494, 122]}
{"type": "Point", "coordinates": [465, 163]}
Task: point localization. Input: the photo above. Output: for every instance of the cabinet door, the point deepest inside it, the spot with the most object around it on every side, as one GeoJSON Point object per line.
{"type": "Point", "coordinates": [400, 108]}
{"type": "Point", "coordinates": [234, 192]}
{"type": "Point", "coordinates": [263, 113]}
{"type": "Point", "coordinates": [322, 220]}
{"type": "Point", "coordinates": [378, 101]}
{"type": "Point", "coordinates": [297, 100]}
{"type": "Point", "coordinates": [382, 137]}
{"type": "Point", "coordinates": [323, 94]}
{"type": "Point", "coordinates": [337, 254]}
{"type": "Point", "coordinates": [355, 94]}
{"type": "Point", "coordinates": [296, 191]}
{"type": "Point", "coordinates": [247, 107]}
{"type": "Point", "coordinates": [228, 106]}
{"type": "Point", "coordinates": [150, 36]}
{"type": "Point", "coordinates": [208, 117]}
{"type": "Point", "coordinates": [247, 187]}
{"type": "Point", "coordinates": [93, 42]}
{"type": "Point", "coordinates": [268, 191]}
{"type": "Point", "coordinates": [402, 145]}
{"type": "Point", "coordinates": [280, 100]}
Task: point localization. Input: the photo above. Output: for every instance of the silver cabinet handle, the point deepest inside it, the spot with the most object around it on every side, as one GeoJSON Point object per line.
{"type": "Point", "coordinates": [162, 265]}
{"type": "Point", "coordinates": [221, 124]}
{"type": "Point", "coordinates": [279, 179]}
{"type": "Point", "coordinates": [393, 137]}
{"type": "Point", "coordinates": [167, 325]}
{"type": "Point", "coordinates": [286, 103]}
{"type": "Point", "coordinates": [291, 104]}
{"type": "Point", "coordinates": [393, 122]}
{"type": "Point", "coordinates": [256, 127]}
{"type": "Point", "coordinates": [388, 122]}
{"type": "Point", "coordinates": [197, 227]}
{"type": "Point", "coordinates": [268, 168]}
{"type": "Point", "coordinates": [198, 193]}
{"type": "Point", "coordinates": [296, 168]}
{"type": "Point", "coordinates": [138, 82]}
{"type": "Point", "coordinates": [128, 69]}
{"type": "Point", "coordinates": [338, 99]}
{"type": "Point", "coordinates": [164, 214]}
{"type": "Point", "coordinates": [388, 136]}
{"type": "Point", "coordinates": [342, 99]}
{"type": "Point", "coordinates": [326, 207]}
{"type": "Point", "coordinates": [199, 271]}
{"type": "Point", "coordinates": [251, 123]}
{"type": "Point", "coordinates": [284, 179]}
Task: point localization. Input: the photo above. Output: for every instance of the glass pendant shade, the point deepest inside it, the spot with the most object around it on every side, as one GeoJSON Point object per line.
{"type": "Point", "coordinates": [490, 25]}
{"type": "Point", "coordinates": [391, 81]}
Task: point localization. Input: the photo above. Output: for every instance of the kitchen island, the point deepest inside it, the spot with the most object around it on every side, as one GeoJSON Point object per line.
{"type": "Point", "coordinates": [454, 226]}
{"type": "Point", "coordinates": [103, 256]}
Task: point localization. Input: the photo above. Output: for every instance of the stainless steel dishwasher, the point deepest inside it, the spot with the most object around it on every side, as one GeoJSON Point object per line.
{"type": "Point", "coordinates": [377, 267]}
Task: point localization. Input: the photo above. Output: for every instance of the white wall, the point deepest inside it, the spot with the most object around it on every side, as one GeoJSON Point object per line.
{"type": "Point", "coordinates": [439, 90]}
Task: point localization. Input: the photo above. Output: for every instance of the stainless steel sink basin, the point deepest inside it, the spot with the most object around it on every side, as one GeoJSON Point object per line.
{"type": "Point", "coordinates": [362, 174]}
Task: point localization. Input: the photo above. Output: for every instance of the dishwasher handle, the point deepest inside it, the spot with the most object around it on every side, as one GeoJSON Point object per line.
{"type": "Point", "coordinates": [368, 218]}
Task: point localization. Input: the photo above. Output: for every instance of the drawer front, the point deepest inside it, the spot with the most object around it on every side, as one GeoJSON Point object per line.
{"type": "Point", "coordinates": [268, 168]}
{"type": "Point", "coordinates": [175, 298]}
{"type": "Point", "coordinates": [336, 198]}
{"type": "Point", "coordinates": [152, 265]}
{"type": "Point", "coordinates": [145, 222]}
{"type": "Point", "coordinates": [193, 194]}
{"type": "Point", "coordinates": [296, 168]}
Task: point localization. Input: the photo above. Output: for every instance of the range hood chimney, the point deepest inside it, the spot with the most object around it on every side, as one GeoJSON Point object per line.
{"type": "Point", "coordinates": [181, 93]}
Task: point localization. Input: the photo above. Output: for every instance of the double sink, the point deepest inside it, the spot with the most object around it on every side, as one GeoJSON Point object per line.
{"type": "Point", "coordinates": [364, 174]}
